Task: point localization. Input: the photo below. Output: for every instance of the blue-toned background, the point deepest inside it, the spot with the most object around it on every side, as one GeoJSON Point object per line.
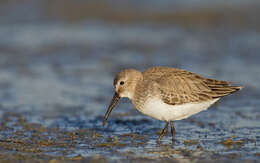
{"type": "Point", "coordinates": [57, 63]}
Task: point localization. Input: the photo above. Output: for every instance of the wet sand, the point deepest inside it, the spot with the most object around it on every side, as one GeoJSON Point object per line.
{"type": "Point", "coordinates": [56, 83]}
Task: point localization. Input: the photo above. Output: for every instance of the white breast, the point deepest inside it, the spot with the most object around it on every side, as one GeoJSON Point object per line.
{"type": "Point", "coordinates": [157, 109]}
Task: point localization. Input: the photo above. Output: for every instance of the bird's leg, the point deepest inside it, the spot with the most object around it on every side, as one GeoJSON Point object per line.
{"type": "Point", "coordinates": [172, 131]}
{"type": "Point", "coordinates": [163, 132]}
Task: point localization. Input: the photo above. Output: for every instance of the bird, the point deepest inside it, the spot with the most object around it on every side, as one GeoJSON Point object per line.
{"type": "Point", "coordinates": [168, 94]}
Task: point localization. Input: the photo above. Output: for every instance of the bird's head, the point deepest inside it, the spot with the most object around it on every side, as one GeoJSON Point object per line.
{"type": "Point", "coordinates": [124, 85]}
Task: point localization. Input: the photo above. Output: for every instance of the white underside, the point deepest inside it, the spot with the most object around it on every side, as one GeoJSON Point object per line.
{"type": "Point", "coordinates": [157, 109]}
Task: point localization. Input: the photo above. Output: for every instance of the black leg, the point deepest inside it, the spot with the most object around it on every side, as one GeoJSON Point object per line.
{"type": "Point", "coordinates": [172, 131]}
{"type": "Point", "coordinates": [163, 132]}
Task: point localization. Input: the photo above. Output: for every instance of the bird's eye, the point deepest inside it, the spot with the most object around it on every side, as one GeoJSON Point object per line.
{"type": "Point", "coordinates": [122, 83]}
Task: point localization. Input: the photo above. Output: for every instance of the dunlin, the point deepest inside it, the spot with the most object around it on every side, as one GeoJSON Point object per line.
{"type": "Point", "coordinates": [168, 94]}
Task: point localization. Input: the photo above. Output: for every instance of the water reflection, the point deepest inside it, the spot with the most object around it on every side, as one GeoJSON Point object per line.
{"type": "Point", "coordinates": [56, 82]}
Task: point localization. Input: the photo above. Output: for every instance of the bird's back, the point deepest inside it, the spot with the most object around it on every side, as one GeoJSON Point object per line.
{"type": "Point", "coordinates": [179, 86]}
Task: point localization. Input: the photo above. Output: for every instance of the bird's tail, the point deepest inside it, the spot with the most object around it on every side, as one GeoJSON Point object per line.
{"type": "Point", "coordinates": [225, 90]}
{"type": "Point", "coordinates": [221, 88]}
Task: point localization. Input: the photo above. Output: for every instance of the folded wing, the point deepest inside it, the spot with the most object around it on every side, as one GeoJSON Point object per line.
{"type": "Point", "coordinates": [181, 87]}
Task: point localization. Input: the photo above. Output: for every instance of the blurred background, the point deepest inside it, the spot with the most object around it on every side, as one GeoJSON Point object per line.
{"type": "Point", "coordinates": [58, 59]}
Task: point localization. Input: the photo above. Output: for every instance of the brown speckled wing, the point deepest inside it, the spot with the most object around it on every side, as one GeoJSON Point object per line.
{"type": "Point", "coordinates": [155, 73]}
{"type": "Point", "coordinates": [178, 86]}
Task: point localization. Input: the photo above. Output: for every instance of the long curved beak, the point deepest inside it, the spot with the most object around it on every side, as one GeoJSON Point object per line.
{"type": "Point", "coordinates": [111, 106]}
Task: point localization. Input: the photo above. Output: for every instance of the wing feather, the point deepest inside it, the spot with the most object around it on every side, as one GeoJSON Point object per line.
{"type": "Point", "coordinates": [178, 86]}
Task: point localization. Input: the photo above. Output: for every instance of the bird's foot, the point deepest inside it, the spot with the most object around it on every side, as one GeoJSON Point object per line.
{"type": "Point", "coordinates": [163, 132]}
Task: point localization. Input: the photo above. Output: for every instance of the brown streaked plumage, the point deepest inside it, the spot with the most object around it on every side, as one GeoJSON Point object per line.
{"type": "Point", "coordinates": [179, 86]}
{"type": "Point", "coordinates": [168, 93]}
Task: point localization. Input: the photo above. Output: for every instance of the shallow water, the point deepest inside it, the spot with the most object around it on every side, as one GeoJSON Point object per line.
{"type": "Point", "coordinates": [56, 83]}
